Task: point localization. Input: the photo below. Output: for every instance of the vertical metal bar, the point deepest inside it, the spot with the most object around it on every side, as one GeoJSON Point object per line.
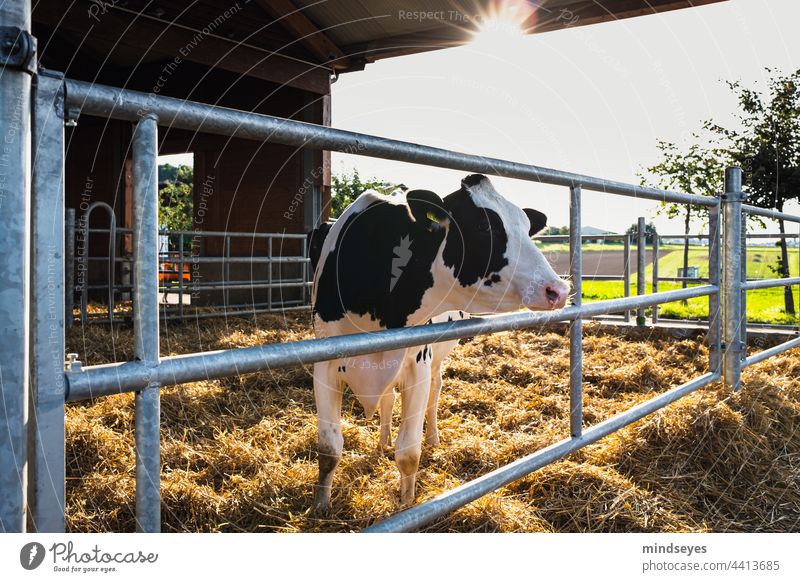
{"type": "Point", "coordinates": [180, 275]}
{"type": "Point", "coordinates": [731, 277]}
{"type": "Point", "coordinates": [69, 259]}
{"type": "Point", "coordinates": [145, 322]}
{"type": "Point", "coordinates": [112, 258]}
{"type": "Point", "coordinates": [576, 327]}
{"type": "Point", "coordinates": [626, 273]}
{"type": "Point", "coordinates": [15, 94]}
{"type": "Point", "coordinates": [47, 468]}
{"type": "Point", "coordinates": [714, 320]}
{"type": "Point", "coordinates": [269, 272]}
{"type": "Point", "coordinates": [227, 274]}
{"type": "Point", "coordinates": [640, 266]}
{"type": "Point", "coordinates": [743, 279]}
{"type": "Point", "coordinates": [84, 266]}
{"type": "Point", "coordinates": [304, 270]}
{"type": "Point", "coordinates": [656, 242]}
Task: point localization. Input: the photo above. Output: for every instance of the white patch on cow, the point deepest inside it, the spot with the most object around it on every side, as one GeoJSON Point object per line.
{"type": "Point", "coordinates": [523, 280]}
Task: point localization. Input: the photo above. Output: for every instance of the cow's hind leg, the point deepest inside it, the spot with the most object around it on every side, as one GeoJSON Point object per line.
{"type": "Point", "coordinates": [414, 395]}
{"type": "Point", "coordinates": [385, 410]}
{"type": "Point", "coordinates": [328, 389]}
{"type": "Point", "coordinates": [431, 414]}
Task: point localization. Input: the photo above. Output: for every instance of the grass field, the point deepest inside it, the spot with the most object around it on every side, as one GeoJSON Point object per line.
{"type": "Point", "coordinates": [763, 305]}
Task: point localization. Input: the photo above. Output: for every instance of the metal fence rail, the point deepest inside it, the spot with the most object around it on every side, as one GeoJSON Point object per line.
{"type": "Point", "coordinates": [149, 372]}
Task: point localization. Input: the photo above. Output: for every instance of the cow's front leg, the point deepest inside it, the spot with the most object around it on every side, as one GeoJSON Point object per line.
{"type": "Point", "coordinates": [414, 396]}
{"type": "Point", "coordinates": [385, 410]}
{"type": "Point", "coordinates": [328, 390]}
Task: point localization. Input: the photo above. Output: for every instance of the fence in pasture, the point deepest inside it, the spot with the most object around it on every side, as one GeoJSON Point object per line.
{"type": "Point", "coordinates": [54, 98]}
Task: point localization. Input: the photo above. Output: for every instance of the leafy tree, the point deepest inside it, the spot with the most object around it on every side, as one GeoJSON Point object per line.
{"type": "Point", "coordinates": [695, 170]}
{"type": "Point", "coordinates": [346, 187]}
{"type": "Point", "coordinates": [555, 230]}
{"type": "Point", "coordinates": [175, 209]}
{"type": "Point", "coordinates": [767, 148]}
{"type": "Point", "coordinates": [649, 229]}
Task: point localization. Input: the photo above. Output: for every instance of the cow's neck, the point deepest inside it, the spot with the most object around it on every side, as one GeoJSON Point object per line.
{"type": "Point", "coordinates": [446, 294]}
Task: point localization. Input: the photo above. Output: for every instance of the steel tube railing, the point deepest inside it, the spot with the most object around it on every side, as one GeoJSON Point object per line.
{"type": "Point", "coordinates": [731, 277]}
{"type": "Point", "coordinates": [96, 381]}
{"type": "Point", "coordinates": [47, 466]}
{"type": "Point", "coordinates": [655, 276]}
{"type": "Point", "coordinates": [770, 213]}
{"type": "Point", "coordinates": [115, 103]}
{"type": "Point", "coordinates": [145, 324]}
{"type": "Point", "coordinates": [15, 98]}
{"type": "Point", "coordinates": [69, 259]}
{"type": "Point", "coordinates": [425, 513]}
{"type": "Point", "coordinates": [714, 337]}
{"type": "Point", "coordinates": [626, 273]}
{"type": "Point", "coordinates": [576, 327]}
{"type": "Point", "coordinates": [767, 283]}
{"type": "Point", "coordinates": [641, 234]}
{"type": "Point", "coordinates": [112, 245]}
{"type": "Point", "coordinates": [773, 351]}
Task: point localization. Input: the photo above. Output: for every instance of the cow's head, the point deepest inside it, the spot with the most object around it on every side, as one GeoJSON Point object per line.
{"type": "Point", "coordinates": [488, 255]}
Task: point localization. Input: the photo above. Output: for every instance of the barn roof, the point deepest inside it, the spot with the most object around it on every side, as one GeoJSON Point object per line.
{"type": "Point", "coordinates": [299, 42]}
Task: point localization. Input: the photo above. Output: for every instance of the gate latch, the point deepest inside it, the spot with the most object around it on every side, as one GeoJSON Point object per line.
{"type": "Point", "coordinates": [17, 49]}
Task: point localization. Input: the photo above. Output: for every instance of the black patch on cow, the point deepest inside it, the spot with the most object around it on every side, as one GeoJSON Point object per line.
{"type": "Point", "coordinates": [449, 318]}
{"type": "Point", "coordinates": [419, 356]}
{"type": "Point", "coordinates": [315, 240]}
{"type": "Point", "coordinates": [538, 220]}
{"type": "Point", "coordinates": [495, 278]}
{"type": "Point", "coordinates": [461, 314]}
{"type": "Point", "coordinates": [473, 180]}
{"type": "Point", "coordinates": [476, 240]}
{"type": "Point", "coordinates": [356, 276]}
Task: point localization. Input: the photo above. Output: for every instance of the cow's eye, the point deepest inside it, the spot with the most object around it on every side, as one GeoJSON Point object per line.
{"type": "Point", "coordinates": [484, 226]}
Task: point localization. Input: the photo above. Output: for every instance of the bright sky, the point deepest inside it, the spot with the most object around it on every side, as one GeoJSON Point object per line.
{"type": "Point", "coordinates": [591, 100]}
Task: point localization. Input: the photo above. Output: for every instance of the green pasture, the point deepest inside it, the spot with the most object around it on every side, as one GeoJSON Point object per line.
{"type": "Point", "coordinates": [763, 305]}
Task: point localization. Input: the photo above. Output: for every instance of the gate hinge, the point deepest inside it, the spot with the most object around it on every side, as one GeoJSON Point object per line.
{"type": "Point", "coordinates": [17, 49]}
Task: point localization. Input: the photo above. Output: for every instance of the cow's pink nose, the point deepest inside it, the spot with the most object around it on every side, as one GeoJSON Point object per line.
{"type": "Point", "coordinates": [557, 295]}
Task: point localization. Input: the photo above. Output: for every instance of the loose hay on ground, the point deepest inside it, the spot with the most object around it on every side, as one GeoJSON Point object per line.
{"type": "Point", "coordinates": [239, 454]}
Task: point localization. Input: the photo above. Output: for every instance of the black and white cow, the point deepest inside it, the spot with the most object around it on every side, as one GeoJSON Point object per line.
{"type": "Point", "coordinates": [395, 261]}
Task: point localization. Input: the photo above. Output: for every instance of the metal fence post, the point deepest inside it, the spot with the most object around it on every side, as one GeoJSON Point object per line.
{"type": "Point", "coordinates": [731, 277]}
{"type": "Point", "coordinates": [626, 273]}
{"type": "Point", "coordinates": [227, 270]}
{"type": "Point", "coordinates": [145, 322]}
{"type": "Point", "coordinates": [269, 273]}
{"type": "Point", "coordinates": [640, 266]}
{"type": "Point", "coordinates": [576, 327]}
{"type": "Point", "coordinates": [47, 464]}
{"type": "Point", "coordinates": [15, 94]}
{"type": "Point", "coordinates": [714, 321]}
{"type": "Point", "coordinates": [655, 274]}
{"type": "Point", "coordinates": [743, 279]}
{"type": "Point", "coordinates": [180, 275]}
{"type": "Point", "coordinates": [69, 260]}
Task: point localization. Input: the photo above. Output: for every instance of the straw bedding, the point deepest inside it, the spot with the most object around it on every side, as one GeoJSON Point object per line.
{"type": "Point", "coordinates": [239, 454]}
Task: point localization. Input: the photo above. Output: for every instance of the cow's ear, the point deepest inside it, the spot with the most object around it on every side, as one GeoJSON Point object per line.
{"type": "Point", "coordinates": [538, 220]}
{"type": "Point", "coordinates": [427, 208]}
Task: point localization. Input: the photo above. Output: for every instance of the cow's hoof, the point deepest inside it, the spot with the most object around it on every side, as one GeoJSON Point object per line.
{"type": "Point", "coordinates": [322, 504]}
{"type": "Point", "coordinates": [432, 441]}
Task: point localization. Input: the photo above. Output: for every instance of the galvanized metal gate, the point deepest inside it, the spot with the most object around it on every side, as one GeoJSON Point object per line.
{"type": "Point", "coordinates": [32, 307]}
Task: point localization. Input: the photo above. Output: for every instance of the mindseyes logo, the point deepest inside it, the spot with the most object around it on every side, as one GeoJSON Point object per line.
{"type": "Point", "coordinates": [31, 555]}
